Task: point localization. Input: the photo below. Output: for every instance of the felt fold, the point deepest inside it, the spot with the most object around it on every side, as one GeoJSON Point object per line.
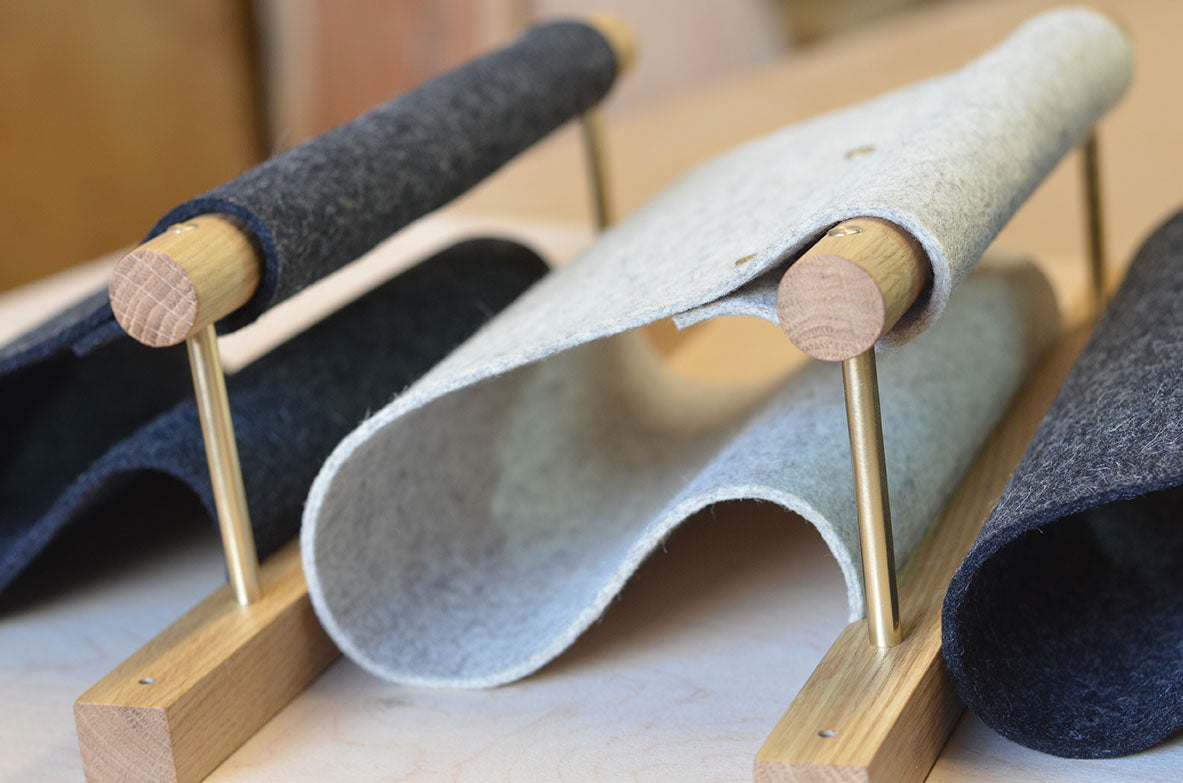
{"type": "Point", "coordinates": [470, 531]}
{"type": "Point", "coordinates": [76, 426]}
{"type": "Point", "coordinates": [1063, 627]}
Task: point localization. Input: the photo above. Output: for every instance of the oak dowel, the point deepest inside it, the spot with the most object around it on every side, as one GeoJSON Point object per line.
{"type": "Point", "coordinates": [176, 284]}
{"type": "Point", "coordinates": [850, 288]}
{"type": "Point", "coordinates": [619, 36]}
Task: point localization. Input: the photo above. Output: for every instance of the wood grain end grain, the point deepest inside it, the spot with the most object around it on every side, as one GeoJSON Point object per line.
{"type": "Point", "coordinates": [850, 289]}
{"type": "Point", "coordinates": [185, 279]}
{"type": "Point", "coordinates": [153, 298]}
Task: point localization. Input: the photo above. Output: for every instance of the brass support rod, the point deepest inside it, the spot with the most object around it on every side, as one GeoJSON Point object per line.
{"type": "Point", "coordinates": [861, 385]}
{"type": "Point", "coordinates": [1096, 231]}
{"type": "Point", "coordinates": [597, 169]}
{"type": "Point", "coordinates": [221, 452]}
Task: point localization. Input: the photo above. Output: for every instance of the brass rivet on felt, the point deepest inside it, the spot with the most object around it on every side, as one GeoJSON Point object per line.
{"type": "Point", "coordinates": [858, 152]}
{"type": "Point", "coordinates": [745, 259]}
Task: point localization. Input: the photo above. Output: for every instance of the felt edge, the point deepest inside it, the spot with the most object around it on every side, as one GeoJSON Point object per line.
{"type": "Point", "coordinates": [651, 538]}
{"type": "Point", "coordinates": [965, 581]}
{"type": "Point", "coordinates": [431, 388]}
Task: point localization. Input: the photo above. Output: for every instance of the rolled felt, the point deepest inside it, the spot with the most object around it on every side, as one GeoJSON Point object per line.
{"type": "Point", "coordinates": [77, 425]}
{"type": "Point", "coordinates": [468, 532]}
{"type": "Point", "coordinates": [1063, 627]}
{"type": "Point", "coordinates": [322, 204]}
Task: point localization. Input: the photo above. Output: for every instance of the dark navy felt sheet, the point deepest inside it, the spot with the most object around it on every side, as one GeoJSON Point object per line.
{"type": "Point", "coordinates": [78, 423]}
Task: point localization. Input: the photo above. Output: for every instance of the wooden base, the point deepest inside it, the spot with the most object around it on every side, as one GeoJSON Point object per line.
{"type": "Point", "coordinates": [871, 714]}
{"type": "Point", "coordinates": [190, 697]}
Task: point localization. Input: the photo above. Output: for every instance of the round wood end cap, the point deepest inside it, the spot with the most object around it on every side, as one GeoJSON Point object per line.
{"type": "Point", "coordinates": [153, 298]}
{"type": "Point", "coordinates": [619, 36]}
{"type": "Point", "coordinates": [830, 307]}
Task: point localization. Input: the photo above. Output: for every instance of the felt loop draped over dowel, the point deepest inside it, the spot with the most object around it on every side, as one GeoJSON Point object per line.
{"type": "Point", "coordinates": [308, 211]}
{"type": "Point", "coordinates": [847, 291]}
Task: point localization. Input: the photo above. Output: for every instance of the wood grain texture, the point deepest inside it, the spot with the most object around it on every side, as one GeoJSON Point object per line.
{"type": "Point", "coordinates": [190, 697]}
{"type": "Point", "coordinates": [185, 279]}
{"type": "Point", "coordinates": [114, 110]}
{"type": "Point", "coordinates": [869, 714]}
{"type": "Point", "coordinates": [850, 288]}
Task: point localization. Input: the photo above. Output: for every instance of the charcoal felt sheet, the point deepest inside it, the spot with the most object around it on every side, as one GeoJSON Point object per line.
{"type": "Point", "coordinates": [322, 204]}
{"type": "Point", "coordinates": [471, 530]}
{"type": "Point", "coordinates": [1063, 628]}
{"type": "Point", "coordinates": [75, 426]}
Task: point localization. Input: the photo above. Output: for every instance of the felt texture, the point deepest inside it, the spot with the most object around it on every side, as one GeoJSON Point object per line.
{"type": "Point", "coordinates": [322, 204]}
{"type": "Point", "coordinates": [466, 533]}
{"type": "Point", "coordinates": [470, 531]}
{"type": "Point", "coordinates": [1063, 628]}
{"type": "Point", "coordinates": [76, 427]}
{"type": "Point", "coordinates": [954, 157]}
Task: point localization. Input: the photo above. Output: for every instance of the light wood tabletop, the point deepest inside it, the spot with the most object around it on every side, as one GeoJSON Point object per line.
{"type": "Point", "coordinates": [691, 667]}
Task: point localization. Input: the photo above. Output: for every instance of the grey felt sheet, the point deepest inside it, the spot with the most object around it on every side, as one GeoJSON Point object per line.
{"type": "Point", "coordinates": [1063, 628]}
{"type": "Point", "coordinates": [468, 532]}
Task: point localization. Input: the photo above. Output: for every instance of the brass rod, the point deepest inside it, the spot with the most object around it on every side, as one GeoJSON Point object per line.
{"type": "Point", "coordinates": [1095, 227]}
{"type": "Point", "coordinates": [597, 169]}
{"type": "Point", "coordinates": [861, 384]}
{"type": "Point", "coordinates": [221, 452]}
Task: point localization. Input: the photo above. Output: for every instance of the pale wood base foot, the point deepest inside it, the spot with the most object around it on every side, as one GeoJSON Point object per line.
{"type": "Point", "coordinates": [882, 715]}
{"type": "Point", "coordinates": [190, 697]}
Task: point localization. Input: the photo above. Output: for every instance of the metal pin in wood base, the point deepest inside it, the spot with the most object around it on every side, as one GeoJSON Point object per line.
{"type": "Point", "coordinates": [221, 452]}
{"type": "Point", "coordinates": [861, 385]}
{"type": "Point", "coordinates": [835, 303]}
{"type": "Point", "coordinates": [883, 714]}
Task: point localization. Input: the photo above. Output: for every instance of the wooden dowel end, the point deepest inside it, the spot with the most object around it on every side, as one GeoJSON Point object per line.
{"type": "Point", "coordinates": [192, 275]}
{"type": "Point", "coordinates": [620, 37]}
{"type": "Point", "coordinates": [848, 290]}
